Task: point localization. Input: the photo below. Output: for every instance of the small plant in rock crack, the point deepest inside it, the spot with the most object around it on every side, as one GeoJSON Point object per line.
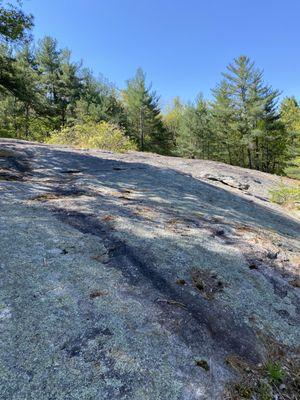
{"type": "Point", "coordinates": [275, 372]}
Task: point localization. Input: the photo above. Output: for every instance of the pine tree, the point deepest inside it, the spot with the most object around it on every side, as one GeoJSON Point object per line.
{"type": "Point", "coordinates": [15, 25]}
{"type": "Point", "coordinates": [224, 127]}
{"type": "Point", "coordinates": [48, 60]}
{"type": "Point", "coordinates": [195, 138]}
{"type": "Point", "coordinates": [290, 117]}
{"type": "Point", "coordinates": [172, 121]}
{"type": "Point", "coordinates": [60, 80]}
{"type": "Point", "coordinates": [68, 87]}
{"type": "Point", "coordinates": [99, 101]}
{"type": "Point", "coordinates": [144, 117]}
{"type": "Point", "coordinates": [251, 115]}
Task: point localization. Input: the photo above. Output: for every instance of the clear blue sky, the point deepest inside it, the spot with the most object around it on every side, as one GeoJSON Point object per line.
{"type": "Point", "coordinates": [183, 45]}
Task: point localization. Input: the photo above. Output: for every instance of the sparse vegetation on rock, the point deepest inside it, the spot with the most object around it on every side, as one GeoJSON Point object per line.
{"type": "Point", "coordinates": [287, 196]}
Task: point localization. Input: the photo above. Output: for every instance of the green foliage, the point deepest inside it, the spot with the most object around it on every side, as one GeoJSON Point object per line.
{"type": "Point", "coordinates": [245, 119]}
{"type": "Point", "coordinates": [224, 125]}
{"type": "Point", "coordinates": [15, 26]}
{"type": "Point", "coordinates": [14, 23]}
{"type": "Point", "coordinates": [293, 169]}
{"type": "Point", "coordinates": [243, 391]}
{"type": "Point", "coordinates": [195, 138]}
{"type": "Point", "coordinates": [42, 89]}
{"type": "Point", "coordinates": [172, 122]}
{"type": "Point", "coordinates": [102, 135]}
{"type": "Point", "coordinates": [99, 101]}
{"type": "Point", "coordinates": [144, 117]}
{"type": "Point", "coordinates": [290, 117]}
{"type": "Point", "coordinates": [275, 372]}
{"type": "Point", "coordinates": [265, 391]}
{"type": "Point", "coordinates": [58, 80]}
{"type": "Point", "coordinates": [287, 196]}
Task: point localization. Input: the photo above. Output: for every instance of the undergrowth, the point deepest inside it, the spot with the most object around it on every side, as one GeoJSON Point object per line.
{"type": "Point", "coordinates": [287, 196]}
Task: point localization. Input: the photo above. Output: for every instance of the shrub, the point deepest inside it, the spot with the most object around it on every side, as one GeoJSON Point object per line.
{"type": "Point", "coordinates": [102, 135]}
{"type": "Point", "coordinates": [286, 196]}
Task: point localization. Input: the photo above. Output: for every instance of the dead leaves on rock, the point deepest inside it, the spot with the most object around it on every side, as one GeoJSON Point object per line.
{"type": "Point", "coordinates": [46, 197]}
{"type": "Point", "coordinates": [207, 282]}
{"type": "Point", "coordinates": [108, 218]}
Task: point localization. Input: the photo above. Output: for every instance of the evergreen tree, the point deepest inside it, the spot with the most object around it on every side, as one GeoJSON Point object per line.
{"type": "Point", "coordinates": [195, 138]}
{"type": "Point", "coordinates": [48, 61]}
{"type": "Point", "coordinates": [223, 125]}
{"type": "Point", "coordinates": [15, 28]}
{"type": "Point", "coordinates": [15, 25]}
{"type": "Point", "coordinates": [249, 105]}
{"type": "Point", "coordinates": [99, 101]}
{"type": "Point", "coordinates": [144, 117]}
{"type": "Point", "coordinates": [45, 90]}
{"type": "Point", "coordinates": [172, 121]}
{"type": "Point", "coordinates": [59, 78]}
{"type": "Point", "coordinates": [290, 117]}
{"type": "Point", "coordinates": [68, 87]}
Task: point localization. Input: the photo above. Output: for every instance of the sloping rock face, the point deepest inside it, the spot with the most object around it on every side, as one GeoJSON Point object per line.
{"type": "Point", "coordinates": [139, 276]}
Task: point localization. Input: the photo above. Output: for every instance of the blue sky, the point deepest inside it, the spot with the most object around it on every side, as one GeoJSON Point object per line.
{"type": "Point", "coordinates": [183, 45]}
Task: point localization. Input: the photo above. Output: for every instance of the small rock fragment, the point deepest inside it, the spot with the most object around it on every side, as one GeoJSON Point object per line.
{"type": "Point", "coordinates": [282, 386]}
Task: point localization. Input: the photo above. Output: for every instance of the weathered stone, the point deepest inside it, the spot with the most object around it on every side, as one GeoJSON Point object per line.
{"type": "Point", "coordinates": [97, 296]}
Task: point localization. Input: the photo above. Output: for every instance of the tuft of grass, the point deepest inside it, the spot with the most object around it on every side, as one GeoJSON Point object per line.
{"type": "Point", "coordinates": [278, 378]}
{"type": "Point", "coordinates": [275, 372]}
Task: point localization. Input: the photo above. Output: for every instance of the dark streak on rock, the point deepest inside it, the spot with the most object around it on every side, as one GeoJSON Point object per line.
{"type": "Point", "coordinates": [220, 324]}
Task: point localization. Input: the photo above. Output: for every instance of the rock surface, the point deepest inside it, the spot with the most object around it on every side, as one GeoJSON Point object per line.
{"type": "Point", "coordinates": [136, 276]}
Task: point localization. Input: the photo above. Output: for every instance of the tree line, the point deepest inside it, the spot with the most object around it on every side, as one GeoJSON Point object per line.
{"type": "Point", "coordinates": [42, 90]}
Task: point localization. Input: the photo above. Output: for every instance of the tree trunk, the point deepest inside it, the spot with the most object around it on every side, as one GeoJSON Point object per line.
{"type": "Point", "coordinates": [141, 129]}
{"type": "Point", "coordinates": [26, 120]}
{"type": "Point", "coordinates": [249, 158]}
